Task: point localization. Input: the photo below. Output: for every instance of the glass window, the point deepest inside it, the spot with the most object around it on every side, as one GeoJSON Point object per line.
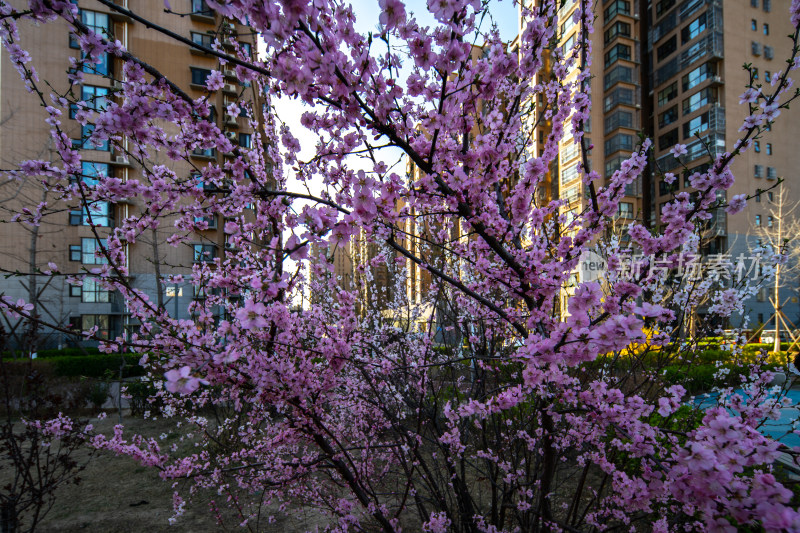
{"type": "Point", "coordinates": [668, 93]}
{"type": "Point", "coordinates": [766, 29]}
{"type": "Point", "coordinates": [92, 98]}
{"type": "Point", "coordinates": [755, 48]}
{"type": "Point", "coordinates": [247, 50]}
{"type": "Point", "coordinates": [753, 24]}
{"type": "Point", "coordinates": [204, 253]}
{"type": "Point", "coordinates": [199, 75]}
{"type": "Point", "coordinates": [757, 146]}
{"type": "Point", "coordinates": [758, 171]}
{"type": "Point", "coordinates": [617, 29]}
{"type": "Point", "coordinates": [244, 140]}
{"type": "Point", "coordinates": [620, 95]}
{"type": "Point", "coordinates": [101, 321]}
{"type": "Point", "coordinates": [769, 148]}
{"type": "Point", "coordinates": [620, 141]}
{"type": "Point", "coordinates": [758, 220]}
{"type": "Point", "coordinates": [200, 7]}
{"type": "Point", "coordinates": [625, 210]}
{"type": "Point", "coordinates": [667, 48]}
{"type": "Point", "coordinates": [668, 117]}
{"type": "Point", "coordinates": [617, 7]}
{"type": "Point", "coordinates": [617, 74]}
{"type": "Point", "coordinates": [769, 53]}
{"type": "Point", "coordinates": [753, 3]}
{"type": "Point", "coordinates": [668, 140]}
{"type": "Point", "coordinates": [698, 75]}
{"type": "Point", "coordinates": [93, 292]}
{"type": "Point", "coordinates": [699, 99]}
{"type": "Point", "coordinates": [618, 119]}
{"type": "Point", "coordinates": [101, 68]}
{"type": "Point", "coordinates": [771, 173]}
{"type": "Point", "coordinates": [769, 221]}
{"type": "Point", "coordinates": [695, 28]}
{"type": "Point", "coordinates": [767, 5]}
{"type": "Point", "coordinates": [91, 251]}
{"type": "Point", "coordinates": [617, 52]}
{"type": "Point", "coordinates": [75, 252]}
{"type": "Point", "coordinates": [97, 22]}
{"type": "Point", "coordinates": [203, 39]}
{"type": "Point", "coordinates": [758, 195]}
{"type": "Point", "coordinates": [87, 143]}
{"type": "Point", "coordinates": [663, 6]}
{"type": "Point", "coordinates": [696, 125]}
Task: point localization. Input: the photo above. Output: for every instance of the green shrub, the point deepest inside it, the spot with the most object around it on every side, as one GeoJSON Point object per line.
{"type": "Point", "coordinates": [95, 366]}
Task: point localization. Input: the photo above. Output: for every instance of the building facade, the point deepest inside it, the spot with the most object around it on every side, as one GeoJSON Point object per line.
{"type": "Point", "coordinates": [65, 236]}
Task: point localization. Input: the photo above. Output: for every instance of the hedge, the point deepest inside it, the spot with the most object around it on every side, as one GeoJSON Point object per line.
{"type": "Point", "coordinates": [93, 366]}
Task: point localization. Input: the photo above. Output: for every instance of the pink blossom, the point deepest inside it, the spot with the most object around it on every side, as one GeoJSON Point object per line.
{"type": "Point", "coordinates": [678, 150]}
{"type": "Point", "coordinates": [251, 316]}
{"type": "Point", "coordinates": [182, 381]}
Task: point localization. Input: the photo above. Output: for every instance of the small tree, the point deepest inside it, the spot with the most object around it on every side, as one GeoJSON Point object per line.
{"type": "Point", "coordinates": [526, 417]}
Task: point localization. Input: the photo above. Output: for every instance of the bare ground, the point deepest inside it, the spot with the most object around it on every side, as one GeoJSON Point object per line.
{"type": "Point", "coordinates": [117, 495]}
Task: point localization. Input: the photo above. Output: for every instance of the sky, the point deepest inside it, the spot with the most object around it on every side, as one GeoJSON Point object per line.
{"type": "Point", "coordinates": [504, 14]}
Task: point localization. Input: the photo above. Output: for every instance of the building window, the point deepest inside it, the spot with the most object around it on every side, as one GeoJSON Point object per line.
{"type": "Point", "coordinates": [766, 29]}
{"type": "Point", "coordinates": [758, 220]}
{"type": "Point", "coordinates": [695, 28]}
{"type": "Point", "coordinates": [769, 221]}
{"type": "Point", "coordinates": [663, 6]}
{"type": "Point", "coordinates": [617, 74]}
{"type": "Point", "coordinates": [199, 75]}
{"type": "Point", "coordinates": [93, 292]}
{"type": "Point", "coordinates": [755, 48]}
{"type": "Point", "coordinates": [769, 53]}
{"type": "Point", "coordinates": [757, 147]}
{"type": "Point", "coordinates": [246, 50]}
{"type": "Point", "coordinates": [668, 140]}
{"type": "Point", "coordinates": [97, 22]}
{"type": "Point", "coordinates": [762, 294]}
{"type": "Point", "coordinates": [96, 214]}
{"type": "Point", "coordinates": [101, 321]}
{"type": "Point", "coordinates": [620, 141]}
{"type": "Point", "coordinates": [698, 76]}
{"type": "Point", "coordinates": [91, 251]}
{"type": "Point", "coordinates": [210, 222]}
{"type": "Point", "coordinates": [203, 39]}
{"type": "Point", "coordinates": [75, 252]}
{"type": "Point", "coordinates": [617, 52]}
{"type": "Point", "coordinates": [620, 95]}
{"type": "Point", "coordinates": [753, 3]}
{"type": "Point", "coordinates": [205, 152]}
{"type": "Point", "coordinates": [767, 5]}
{"type": "Point", "coordinates": [617, 29]}
{"type": "Point", "coordinates": [699, 99]}
{"type": "Point", "coordinates": [769, 148]}
{"type": "Point", "coordinates": [753, 24]}
{"type": "Point", "coordinates": [771, 173]}
{"type": "Point", "coordinates": [618, 119]}
{"type": "Point", "coordinates": [758, 171]}
{"type": "Point", "coordinates": [617, 7]}
{"type": "Point", "coordinates": [87, 143]}
{"type": "Point", "coordinates": [199, 7]}
{"type": "Point", "coordinates": [204, 253]}
{"type": "Point", "coordinates": [667, 94]}
{"type": "Point", "coordinates": [244, 140]}
{"type": "Point", "coordinates": [770, 196]}
{"type": "Point", "coordinates": [697, 124]}
{"type": "Point", "coordinates": [75, 291]}
{"type": "Point", "coordinates": [668, 117]}
{"type": "Point", "coordinates": [92, 98]}
{"type": "Point", "coordinates": [758, 195]}
{"type": "Point", "coordinates": [667, 48]}
{"type": "Point", "coordinates": [625, 210]}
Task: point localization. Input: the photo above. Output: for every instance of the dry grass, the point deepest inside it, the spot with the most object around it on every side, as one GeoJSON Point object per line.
{"type": "Point", "coordinates": [117, 495]}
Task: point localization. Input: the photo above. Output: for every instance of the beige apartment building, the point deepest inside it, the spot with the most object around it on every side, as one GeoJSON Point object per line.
{"type": "Point", "coordinates": [64, 236]}
{"type": "Point", "coordinates": [698, 49]}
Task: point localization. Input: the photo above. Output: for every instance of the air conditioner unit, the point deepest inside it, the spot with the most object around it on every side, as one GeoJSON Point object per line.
{"type": "Point", "coordinates": [229, 246]}
{"type": "Point", "coordinates": [229, 88]}
{"type": "Point", "coordinates": [121, 160]}
{"type": "Point", "coordinates": [229, 73]}
{"type": "Point", "coordinates": [231, 135]}
{"type": "Point", "coordinates": [116, 84]}
{"type": "Point", "coordinates": [230, 119]}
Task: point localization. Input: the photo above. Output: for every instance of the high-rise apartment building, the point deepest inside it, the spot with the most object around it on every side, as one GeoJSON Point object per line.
{"type": "Point", "coordinates": [672, 70]}
{"type": "Point", "coordinates": [65, 236]}
{"type": "Point", "coordinates": [697, 50]}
